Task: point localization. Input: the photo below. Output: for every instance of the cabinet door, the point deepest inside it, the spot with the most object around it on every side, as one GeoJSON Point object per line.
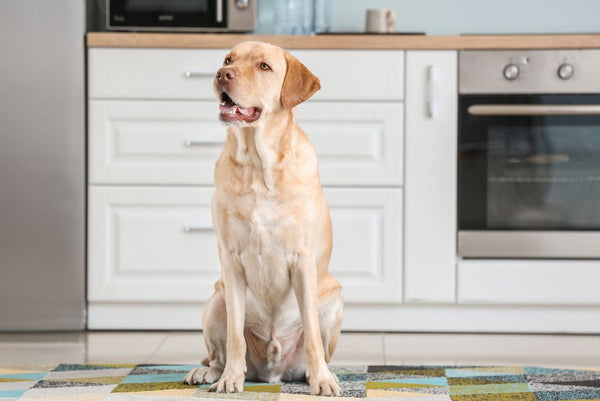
{"type": "Point", "coordinates": [430, 176]}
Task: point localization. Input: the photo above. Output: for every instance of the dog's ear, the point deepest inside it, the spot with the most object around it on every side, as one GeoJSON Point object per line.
{"type": "Point", "coordinates": [299, 83]}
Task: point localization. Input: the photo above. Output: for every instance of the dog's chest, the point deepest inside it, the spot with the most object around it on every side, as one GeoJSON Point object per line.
{"type": "Point", "coordinates": [263, 230]}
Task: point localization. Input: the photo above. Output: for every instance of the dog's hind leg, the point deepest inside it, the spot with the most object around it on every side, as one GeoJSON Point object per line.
{"type": "Point", "coordinates": [215, 333]}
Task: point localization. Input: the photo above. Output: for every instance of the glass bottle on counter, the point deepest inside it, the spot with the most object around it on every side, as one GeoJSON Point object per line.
{"type": "Point", "coordinates": [321, 18]}
{"type": "Point", "coordinates": [293, 17]}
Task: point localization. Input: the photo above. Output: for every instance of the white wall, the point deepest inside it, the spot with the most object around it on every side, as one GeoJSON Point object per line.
{"type": "Point", "coordinates": [452, 17]}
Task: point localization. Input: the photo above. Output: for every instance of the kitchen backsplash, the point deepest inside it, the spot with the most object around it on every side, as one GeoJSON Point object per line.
{"type": "Point", "coordinates": [441, 17]}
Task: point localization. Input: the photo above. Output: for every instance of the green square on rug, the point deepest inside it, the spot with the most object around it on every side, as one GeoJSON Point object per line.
{"type": "Point", "coordinates": [415, 383]}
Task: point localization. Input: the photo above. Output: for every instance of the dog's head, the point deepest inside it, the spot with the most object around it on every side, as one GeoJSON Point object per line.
{"type": "Point", "coordinates": [258, 79]}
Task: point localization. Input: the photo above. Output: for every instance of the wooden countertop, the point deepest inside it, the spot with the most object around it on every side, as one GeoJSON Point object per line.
{"type": "Point", "coordinates": [191, 41]}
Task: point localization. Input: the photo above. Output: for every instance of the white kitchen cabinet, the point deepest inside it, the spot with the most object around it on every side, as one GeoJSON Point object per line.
{"type": "Point", "coordinates": [154, 137]}
{"type": "Point", "coordinates": [430, 176]}
{"type": "Point", "coordinates": [384, 126]}
{"type": "Point", "coordinates": [178, 142]}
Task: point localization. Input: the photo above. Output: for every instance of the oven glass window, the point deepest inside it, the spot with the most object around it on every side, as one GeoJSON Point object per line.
{"type": "Point", "coordinates": [543, 176]}
{"type": "Point", "coordinates": [529, 172]}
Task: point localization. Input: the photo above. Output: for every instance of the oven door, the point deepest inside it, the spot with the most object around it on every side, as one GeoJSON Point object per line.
{"type": "Point", "coordinates": [529, 176]}
{"type": "Point", "coordinates": [170, 15]}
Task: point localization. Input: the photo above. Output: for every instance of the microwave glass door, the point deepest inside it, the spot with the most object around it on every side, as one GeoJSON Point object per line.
{"type": "Point", "coordinates": [529, 162]}
{"type": "Point", "coordinates": [168, 13]}
{"type": "Point", "coordinates": [166, 5]}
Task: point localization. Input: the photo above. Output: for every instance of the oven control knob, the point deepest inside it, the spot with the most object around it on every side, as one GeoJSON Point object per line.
{"type": "Point", "coordinates": [242, 3]}
{"type": "Point", "coordinates": [511, 72]}
{"type": "Point", "coordinates": [565, 71]}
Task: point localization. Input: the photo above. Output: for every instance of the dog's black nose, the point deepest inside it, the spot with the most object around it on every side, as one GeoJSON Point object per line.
{"type": "Point", "coordinates": [226, 74]}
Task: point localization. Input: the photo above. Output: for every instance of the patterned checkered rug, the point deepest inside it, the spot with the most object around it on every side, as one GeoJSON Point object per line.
{"type": "Point", "coordinates": [418, 383]}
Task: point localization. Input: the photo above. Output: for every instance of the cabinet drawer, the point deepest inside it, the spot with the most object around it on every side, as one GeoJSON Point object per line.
{"type": "Point", "coordinates": [178, 142]}
{"type": "Point", "coordinates": [156, 244]}
{"type": "Point", "coordinates": [152, 73]}
{"type": "Point", "coordinates": [160, 73]}
{"type": "Point", "coordinates": [357, 143]}
{"type": "Point", "coordinates": [153, 142]}
{"type": "Point", "coordinates": [367, 243]}
{"type": "Point", "coordinates": [356, 74]}
{"type": "Point", "coordinates": [529, 282]}
{"type": "Point", "coordinates": [151, 244]}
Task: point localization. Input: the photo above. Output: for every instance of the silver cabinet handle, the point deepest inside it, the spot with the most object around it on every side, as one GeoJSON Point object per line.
{"type": "Point", "coordinates": [219, 10]}
{"type": "Point", "coordinates": [189, 142]}
{"type": "Point", "coordinates": [533, 109]}
{"type": "Point", "coordinates": [198, 74]}
{"type": "Point", "coordinates": [189, 228]}
{"type": "Point", "coordinates": [431, 80]}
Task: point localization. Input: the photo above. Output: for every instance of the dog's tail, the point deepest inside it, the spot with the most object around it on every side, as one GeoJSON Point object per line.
{"type": "Point", "coordinates": [273, 352]}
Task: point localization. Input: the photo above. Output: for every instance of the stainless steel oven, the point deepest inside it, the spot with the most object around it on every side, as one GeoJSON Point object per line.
{"type": "Point", "coordinates": [181, 15]}
{"type": "Point", "coordinates": [529, 154]}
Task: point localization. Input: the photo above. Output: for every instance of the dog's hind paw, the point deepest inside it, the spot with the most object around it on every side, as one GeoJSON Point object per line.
{"type": "Point", "coordinates": [202, 375]}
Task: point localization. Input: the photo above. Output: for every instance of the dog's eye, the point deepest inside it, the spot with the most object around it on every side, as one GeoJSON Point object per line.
{"type": "Point", "coordinates": [265, 66]}
{"type": "Point", "coordinates": [228, 60]}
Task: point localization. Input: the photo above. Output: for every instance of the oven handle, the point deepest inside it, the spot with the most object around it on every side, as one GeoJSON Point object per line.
{"type": "Point", "coordinates": [533, 109]}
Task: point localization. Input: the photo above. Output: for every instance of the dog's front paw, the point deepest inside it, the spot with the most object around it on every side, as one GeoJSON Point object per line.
{"type": "Point", "coordinates": [229, 383]}
{"type": "Point", "coordinates": [324, 383]}
{"type": "Point", "coordinates": [203, 375]}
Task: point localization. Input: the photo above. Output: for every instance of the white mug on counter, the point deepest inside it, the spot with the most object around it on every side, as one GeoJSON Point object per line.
{"type": "Point", "coordinates": [381, 20]}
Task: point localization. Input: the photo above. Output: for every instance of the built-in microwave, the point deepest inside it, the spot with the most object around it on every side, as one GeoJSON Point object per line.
{"type": "Point", "coordinates": [181, 15]}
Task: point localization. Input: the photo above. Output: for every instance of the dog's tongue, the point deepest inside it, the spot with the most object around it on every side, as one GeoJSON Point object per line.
{"type": "Point", "coordinates": [234, 108]}
{"type": "Point", "coordinates": [247, 111]}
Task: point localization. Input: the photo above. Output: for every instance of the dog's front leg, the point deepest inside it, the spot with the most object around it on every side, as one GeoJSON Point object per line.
{"type": "Point", "coordinates": [304, 280]}
{"type": "Point", "coordinates": [232, 379]}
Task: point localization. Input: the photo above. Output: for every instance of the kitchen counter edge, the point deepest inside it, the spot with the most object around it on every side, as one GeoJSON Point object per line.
{"type": "Point", "coordinates": [359, 42]}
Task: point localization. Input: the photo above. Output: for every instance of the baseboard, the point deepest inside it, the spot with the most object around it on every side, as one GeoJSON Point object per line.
{"type": "Point", "coordinates": [144, 316]}
{"type": "Point", "coordinates": [416, 318]}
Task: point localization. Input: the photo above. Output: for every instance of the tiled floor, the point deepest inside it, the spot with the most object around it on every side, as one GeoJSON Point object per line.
{"type": "Point", "coordinates": [354, 348]}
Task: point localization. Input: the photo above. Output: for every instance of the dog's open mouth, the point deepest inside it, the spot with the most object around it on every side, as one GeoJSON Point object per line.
{"type": "Point", "coordinates": [230, 111]}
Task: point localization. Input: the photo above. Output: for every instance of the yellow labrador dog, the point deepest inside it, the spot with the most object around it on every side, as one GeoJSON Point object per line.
{"type": "Point", "coordinates": [276, 312]}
